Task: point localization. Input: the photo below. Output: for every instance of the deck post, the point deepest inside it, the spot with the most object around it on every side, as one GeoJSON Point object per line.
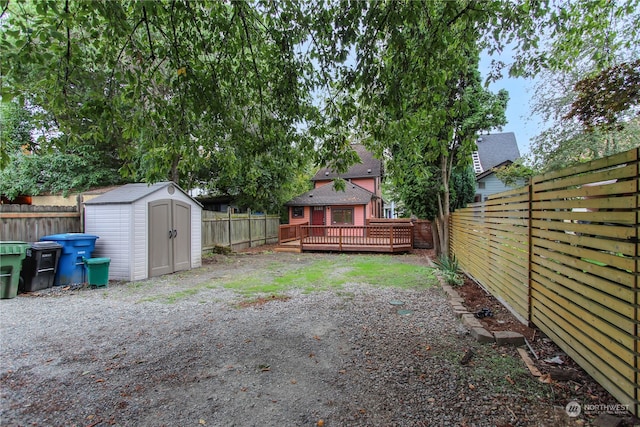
{"type": "Point", "coordinates": [340, 239]}
{"type": "Point", "coordinates": [391, 237]}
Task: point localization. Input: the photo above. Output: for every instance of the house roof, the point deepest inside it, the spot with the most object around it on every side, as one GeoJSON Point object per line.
{"type": "Point", "coordinates": [130, 193]}
{"type": "Point", "coordinates": [325, 195]}
{"type": "Point", "coordinates": [492, 170]}
{"type": "Point", "coordinates": [496, 148]}
{"type": "Point", "coordinates": [369, 166]}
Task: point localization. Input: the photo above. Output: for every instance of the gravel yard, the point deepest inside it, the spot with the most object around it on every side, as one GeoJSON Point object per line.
{"type": "Point", "coordinates": [183, 350]}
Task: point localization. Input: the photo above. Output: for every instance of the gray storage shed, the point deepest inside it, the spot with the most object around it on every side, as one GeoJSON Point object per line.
{"type": "Point", "coordinates": [146, 230]}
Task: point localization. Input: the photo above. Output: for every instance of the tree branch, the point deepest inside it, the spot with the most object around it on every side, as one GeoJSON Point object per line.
{"type": "Point", "coordinates": [68, 53]}
{"type": "Point", "coordinates": [146, 22]}
{"type": "Point", "coordinates": [255, 66]}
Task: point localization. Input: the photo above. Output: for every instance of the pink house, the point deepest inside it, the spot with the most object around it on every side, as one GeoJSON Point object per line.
{"type": "Point", "coordinates": [360, 201]}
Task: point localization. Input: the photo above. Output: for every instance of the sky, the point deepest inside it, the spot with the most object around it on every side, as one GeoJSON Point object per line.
{"type": "Point", "coordinates": [520, 121]}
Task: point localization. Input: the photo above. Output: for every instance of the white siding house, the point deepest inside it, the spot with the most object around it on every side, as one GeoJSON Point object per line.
{"type": "Point", "coordinates": [122, 220]}
{"type": "Point", "coordinates": [489, 184]}
{"type": "Point", "coordinates": [494, 151]}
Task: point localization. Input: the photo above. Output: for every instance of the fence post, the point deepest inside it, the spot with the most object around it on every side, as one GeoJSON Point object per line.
{"type": "Point", "coordinates": [530, 241]}
{"type": "Point", "coordinates": [230, 228]}
{"type": "Point", "coordinates": [250, 236]}
{"type": "Point", "coordinates": [636, 410]}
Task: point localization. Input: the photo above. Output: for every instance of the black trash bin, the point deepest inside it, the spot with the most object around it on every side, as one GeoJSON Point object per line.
{"type": "Point", "coordinates": [39, 266]}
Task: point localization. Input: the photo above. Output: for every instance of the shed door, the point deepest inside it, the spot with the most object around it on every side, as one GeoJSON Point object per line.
{"type": "Point", "coordinates": [169, 237]}
{"type": "Point", "coordinates": [181, 236]}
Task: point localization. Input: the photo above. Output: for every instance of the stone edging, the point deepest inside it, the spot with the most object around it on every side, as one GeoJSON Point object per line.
{"type": "Point", "coordinates": [476, 329]}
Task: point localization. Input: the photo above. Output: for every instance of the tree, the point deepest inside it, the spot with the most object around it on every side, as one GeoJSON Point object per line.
{"type": "Point", "coordinates": [587, 90]}
{"type": "Point", "coordinates": [170, 87]}
{"type": "Point", "coordinates": [602, 100]}
{"type": "Point", "coordinates": [418, 93]}
{"type": "Point", "coordinates": [16, 125]}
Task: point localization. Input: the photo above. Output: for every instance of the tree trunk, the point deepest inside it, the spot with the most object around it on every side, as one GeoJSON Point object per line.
{"type": "Point", "coordinates": [436, 237]}
{"type": "Point", "coordinates": [174, 175]}
{"type": "Point", "coordinates": [443, 207]}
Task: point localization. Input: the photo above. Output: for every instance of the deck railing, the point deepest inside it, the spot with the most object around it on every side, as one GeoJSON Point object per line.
{"type": "Point", "coordinates": [290, 233]}
{"type": "Point", "coordinates": [386, 237]}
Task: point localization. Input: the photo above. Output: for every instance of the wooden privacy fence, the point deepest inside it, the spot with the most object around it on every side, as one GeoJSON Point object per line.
{"type": "Point", "coordinates": [564, 254]}
{"type": "Point", "coordinates": [29, 223]}
{"type": "Point", "coordinates": [238, 231]}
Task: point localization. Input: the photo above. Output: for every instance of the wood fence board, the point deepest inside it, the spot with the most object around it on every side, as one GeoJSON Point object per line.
{"type": "Point", "coordinates": [562, 283]}
{"type": "Point", "coordinates": [615, 246]}
{"type": "Point", "coordinates": [605, 217]}
{"type": "Point", "coordinates": [616, 297]}
{"type": "Point", "coordinates": [621, 202]}
{"type": "Point", "coordinates": [508, 207]}
{"type": "Point", "coordinates": [612, 261]}
{"type": "Point", "coordinates": [517, 222]}
{"type": "Point", "coordinates": [510, 240]}
{"type": "Point", "coordinates": [617, 188]}
{"type": "Point", "coordinates": [614, 278]}
{"type": "Point", "coordinates": [600, 330]}
{"type": "Point", "coordinates": [539, 281]}
{"type": "Point", "coordinates": [606, 162]}
{"type": "Point", "coordinates": [611, 231]}
{"type": "Point", "coordinates": [615, 382]}
{"type": "Point", "coordinates": [618, 172]}
{"type": "Point", "coordinates": [565, 327]}
{"type": "Point", "coordinates": [514, 192]}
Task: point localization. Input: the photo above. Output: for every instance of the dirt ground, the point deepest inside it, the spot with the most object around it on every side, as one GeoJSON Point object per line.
{"type": "Point", "coordinates": [183, 350]}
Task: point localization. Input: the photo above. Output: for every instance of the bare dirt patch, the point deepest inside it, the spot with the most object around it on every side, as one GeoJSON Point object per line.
{"type": "Point", "coordinates": [501, 319]}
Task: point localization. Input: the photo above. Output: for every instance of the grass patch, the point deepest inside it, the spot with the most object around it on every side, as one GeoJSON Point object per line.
{"type": "Point", "coordinates": [385, 271]}
{"type": "Point", "coordinates": [278, 278]}
{"type": "Point", "coordinates": [325, 274]}
{"type": "Point", "coordinates": [490, 372]}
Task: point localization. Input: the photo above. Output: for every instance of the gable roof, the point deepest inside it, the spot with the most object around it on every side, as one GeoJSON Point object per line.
{"type": "Point", "coordinates": [130, 193]}
{"type": "Point", "coordinates": [369, 166]}
{"type": "Point", "coordinates": [496, 148]}
{"type": "Point", "coordinates": [325, 195]}
{"type": "Point", "coordinates": [492, 170]}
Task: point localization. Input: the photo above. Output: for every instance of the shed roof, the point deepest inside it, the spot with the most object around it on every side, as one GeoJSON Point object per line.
{"type": "Point", "coordinates": [131, 193]}
{"type": "Point", "coordinates": [496, 148]}
{"type": "Point", "coordinates": [368, 167]}
{"type": "Point", "coordinates": [326, 195]}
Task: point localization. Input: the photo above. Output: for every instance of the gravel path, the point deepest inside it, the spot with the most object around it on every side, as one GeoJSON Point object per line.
{"type": "Point", "coordinates": [117, 356]}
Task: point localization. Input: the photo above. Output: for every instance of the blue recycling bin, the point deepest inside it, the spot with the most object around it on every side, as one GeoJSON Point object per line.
{"type": "Point", "coordinates": [75, 247]}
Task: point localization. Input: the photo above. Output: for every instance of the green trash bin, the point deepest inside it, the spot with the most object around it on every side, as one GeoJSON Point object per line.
{"type": "Point", "coordinates": [97, 271]}
{"type": "Point", "coordinates": [11, 256]}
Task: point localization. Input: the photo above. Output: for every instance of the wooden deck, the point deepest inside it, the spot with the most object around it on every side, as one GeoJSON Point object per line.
{"type": "Point", "coordinates": [388, 238]}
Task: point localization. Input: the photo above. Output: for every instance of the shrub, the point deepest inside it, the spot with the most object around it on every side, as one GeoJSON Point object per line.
{"type": "Point", "coordinates": [449, 270]}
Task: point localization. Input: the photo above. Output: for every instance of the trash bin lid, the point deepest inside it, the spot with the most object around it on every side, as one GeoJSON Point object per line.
{"type": "Point", "coordinates": [45, 245]}
{"type": "Point", "coordinates": [69, 236]}
{"type": "Point", "coordinates": [13, 248]}
{"type": "Point", "coordinates": [97, 260]}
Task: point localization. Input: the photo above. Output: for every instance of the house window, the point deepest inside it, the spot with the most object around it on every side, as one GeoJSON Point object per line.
{"type": "Point", "coordinates": [482, 185]}
{"type": "Point", "coordinates": [342, 216]}
{"type": "Point", "coordinates": [297, 211]}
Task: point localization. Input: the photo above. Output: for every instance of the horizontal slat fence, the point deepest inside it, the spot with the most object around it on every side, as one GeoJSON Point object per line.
{"type": "Point", "coordinates": [29, 223]}
{"type": "Point", "coordinates": [238, 231]}
{"type": "Point", "coordinates": [491, 242]}
{"type": "Point", "coordinates": [582, 277]}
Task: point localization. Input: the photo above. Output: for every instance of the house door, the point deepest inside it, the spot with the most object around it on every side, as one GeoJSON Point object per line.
{"type": "Point", "coordinates": [169, 237]}
{"type": "Point", "coordinates": [317, 218]}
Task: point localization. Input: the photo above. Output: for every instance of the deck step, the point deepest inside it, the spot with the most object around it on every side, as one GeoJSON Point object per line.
{"type": "Point", "coordinates": [292, 249]}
